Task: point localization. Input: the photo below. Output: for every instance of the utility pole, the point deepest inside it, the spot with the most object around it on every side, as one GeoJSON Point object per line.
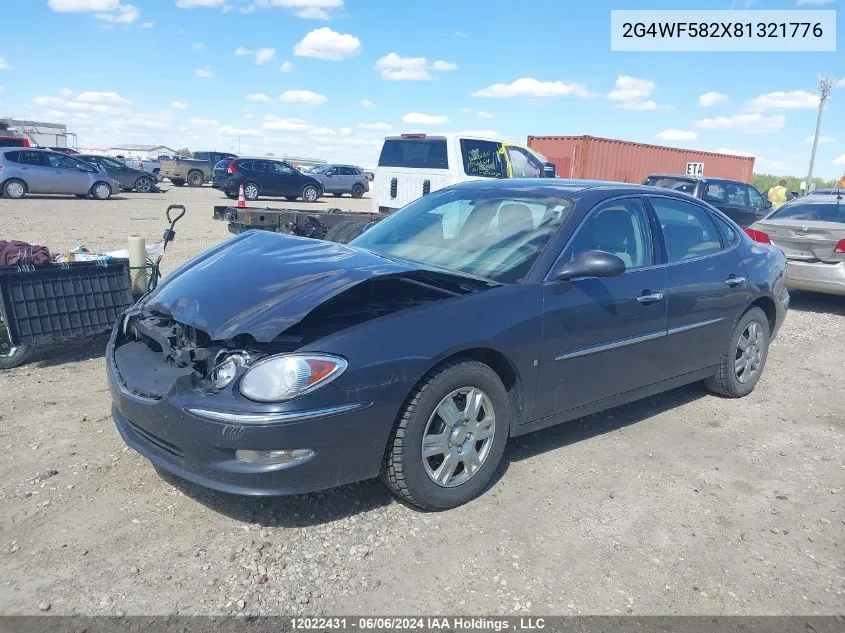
{"type": "Point", "coordinates": [825, 86]}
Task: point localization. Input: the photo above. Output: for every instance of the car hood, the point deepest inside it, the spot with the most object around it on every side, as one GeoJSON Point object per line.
{"type": "Point", "coordinates": [262, 283]}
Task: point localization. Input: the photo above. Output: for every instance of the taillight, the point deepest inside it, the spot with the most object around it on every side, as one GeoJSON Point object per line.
{"type": "Point", "coordinates": [232, 168]}
{"type": "Point", "coordinates": [840, 247]}
{"type": "Point", "coordinates": [758, 236]}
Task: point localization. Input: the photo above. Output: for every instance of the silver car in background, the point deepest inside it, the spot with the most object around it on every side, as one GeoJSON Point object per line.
{"type": "Point", "coordinates": [811, 233]}
{"type": "Point", "coordinates": [32, 170]}
{"type": "Point", "coordinates": [341, 179]}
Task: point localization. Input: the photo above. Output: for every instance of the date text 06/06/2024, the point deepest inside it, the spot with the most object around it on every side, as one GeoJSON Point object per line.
{"type": "Point", "coordinates": [418, 623]}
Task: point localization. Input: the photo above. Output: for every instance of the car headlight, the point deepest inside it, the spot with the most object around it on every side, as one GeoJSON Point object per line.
{"type": "Point", "coordinates": [289, 376]}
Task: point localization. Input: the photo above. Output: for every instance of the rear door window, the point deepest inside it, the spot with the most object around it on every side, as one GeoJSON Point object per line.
{"type": "Point", "coordinates": [422, 153]}
{"type": "Point", "coordinates": [715, 192]}
{"type": "Point", "coordinates": [737, 195]}
{"type": "Point", "coordinates": [688, 230]}
{"type": "Point", "coordinates": [482, 158]}
{"type": "Point", "coordinates": [523, 164]}
{"type": "Point", "coordinates": [33, 158]}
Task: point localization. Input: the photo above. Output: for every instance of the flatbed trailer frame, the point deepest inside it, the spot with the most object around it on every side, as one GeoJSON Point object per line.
{"type": "Point", "coordinates": [329, 224]}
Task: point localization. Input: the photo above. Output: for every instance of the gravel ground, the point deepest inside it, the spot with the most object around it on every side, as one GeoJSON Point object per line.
{"type": "Point", "coordinates": [684, 503]}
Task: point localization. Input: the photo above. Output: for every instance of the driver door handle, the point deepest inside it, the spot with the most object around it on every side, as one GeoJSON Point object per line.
{"type": "Point", "coordinates": [734, 281]}
{"type": "Point", "coordinates": [651, 297]}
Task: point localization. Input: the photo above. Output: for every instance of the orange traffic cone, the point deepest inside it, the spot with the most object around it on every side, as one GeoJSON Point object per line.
{"type": "Point", "coordinates": [241, 199]}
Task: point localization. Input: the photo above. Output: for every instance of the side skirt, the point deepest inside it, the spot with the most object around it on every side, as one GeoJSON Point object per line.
{"type": "Point", "coordinates": [614, 401]}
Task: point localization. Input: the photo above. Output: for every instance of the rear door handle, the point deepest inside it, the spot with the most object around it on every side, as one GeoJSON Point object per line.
{"type": "Point", "coordinates": [650, 298]}
{"type": "Point", "coordinates": [734, 281]}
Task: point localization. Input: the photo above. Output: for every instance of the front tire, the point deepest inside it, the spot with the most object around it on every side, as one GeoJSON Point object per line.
{"type": "Point", "coordinates": [310, 193]}
{"type": "Point", "coordinates": [101, 191]}
{"type": "Point", "coordinates": [14, 188]}
{"type": "Point", "coordinates": [144, 185]}
{"type": "Point", "coordinates": [358, 191]}
{"type": "Point", "coordinates": [251, 191]}
{"type": "Point", "coordinates": [195, 178]}
{"type": "Point", "coordinates": [449, 438]}
{"type": "Point", "coordinates": [744, 358]}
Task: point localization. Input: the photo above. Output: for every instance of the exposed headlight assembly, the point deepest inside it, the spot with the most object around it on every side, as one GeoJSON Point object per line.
{"type": "Point", "coordinates": [289, 376]}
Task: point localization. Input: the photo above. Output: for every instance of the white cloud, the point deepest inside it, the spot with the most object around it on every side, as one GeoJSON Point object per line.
{"type": "Point", "coordinates": [803, 2]}
{"type": "Point", "coordinates": [735, 152]}
{"type": "Point", "coordinates": [397, 68]}
{"type": "Point", "coordinates": [146, 25]}
{"type": "Point", "coordinates": [528, 87]}
{"type": "Point", "coordinates": [381, 125]}
{"type": "Point", "coordinates": [286, 67]}
{"type": "Point", "coordinates": [205, 73]}
{"type": "Point", "coordinates": [66, 92]}
{"type": "Point", "coordinates": [839, 160]}
{"type": "Point", "coordinates": [125, 14]}
{"type": "Point", "coordinates": [366, 103]}
{"type": "Point", "coordinates": [197, 121]}
{"type": "Point", "coordinates": [420, 118]}
{"type": "Point", "coordinates": [248, 116]}
{"type": "Point", "coordinates": [179, 105]}
{"type": "Point", "coordinates": [198, 46]}
{"type": "Point", "coordinates": [461, 34]}
{"type": "Point", "coordinates": [465, 110]}
{"type": "Point", "coordinates": [709, 99]}
{"type": "Point", "coordinates": [82, 6]}
{"type": "Point", "coordinates": [264, 55]}
{"type": "Point", "coordinates": [308, 9]}
{"type": "Point", "coordinates": [324, 43]}
{"type": "Point", "coordinates": [193, 4]}
{"type": "Point", "coordinates": [443, 66]}
{"type": "Point", "coordinates": [823, 140]}
{"type": "Point", "coordinates": [4, 65]}
{"type": "Point", "coordinates": [671, 134]}
{"type": "Point", "coordinates": [231, 130]}
{"type": "Point", "coordinates": [257, 96]}
{"type": "Point", "coordinates": [102, 97]}
{"type": "Point", "coordinates": [486, 115]}
{"type": "Point", "coordinates": [303, 97]}
{"type": "Point", "coordinates": [272, 122]}
{"type": "Point", "coordinates": [793, 100]}
{"type": "Point", "coordinates": [840, 83]}
{"type": "Point", "coordinates": [745, 123]}
{"type": "Point", "coordinates": [633, 93]}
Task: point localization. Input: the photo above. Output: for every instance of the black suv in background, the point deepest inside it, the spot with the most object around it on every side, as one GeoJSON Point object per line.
{"type": "Point", "coordinates": [741, 202]}
{"type": "Point", "coordinates": [265, 177]}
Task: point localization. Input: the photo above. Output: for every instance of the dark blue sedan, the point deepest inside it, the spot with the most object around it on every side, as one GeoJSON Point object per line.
{"type": "Point", "coordinates": [273, 364]}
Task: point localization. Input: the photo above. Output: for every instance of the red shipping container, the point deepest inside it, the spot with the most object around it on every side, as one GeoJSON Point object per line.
{"type": "Point", "coordinates": [592, 158]}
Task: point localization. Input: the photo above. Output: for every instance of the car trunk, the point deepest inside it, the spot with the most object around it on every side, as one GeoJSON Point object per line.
{"type": "Point", "coordinates": [802, 240]}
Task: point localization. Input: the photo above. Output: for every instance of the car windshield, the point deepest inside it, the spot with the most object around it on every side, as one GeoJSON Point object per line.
{"type": "Point", "coordinates": [810, 212]}
{"type": "Point", "coordinates": [668, 182]}
{"type": "Point", "coordinates": [497, 234]}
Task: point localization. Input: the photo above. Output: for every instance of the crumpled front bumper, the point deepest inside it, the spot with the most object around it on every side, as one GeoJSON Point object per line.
{"type": "Point", "coordinates": [348, 436]}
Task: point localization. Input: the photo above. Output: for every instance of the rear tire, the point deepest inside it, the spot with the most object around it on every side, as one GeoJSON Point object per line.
{"type": "Point", "coordinates": [195, 178]}
{"type": "Point", "coordinates": [358, 191]}
{"type": "Point", "coordinates": [310, 193]}
{"type": "Point", "coordinates": [410, 475]}
{"type": "Point", "coordinates": [744, 357]}
{"type": "Point", "coordinates": [178, 182]}
{"type": "Point", "coordinates": [14, 188]}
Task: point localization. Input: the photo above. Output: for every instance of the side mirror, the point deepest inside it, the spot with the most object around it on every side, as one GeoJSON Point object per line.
{"type": "Point", "coordinates": [329, 174]}
{"type": "Point", "coordinates": [591, 264]}
{"type": "Point", "coordinates": [549, 170]}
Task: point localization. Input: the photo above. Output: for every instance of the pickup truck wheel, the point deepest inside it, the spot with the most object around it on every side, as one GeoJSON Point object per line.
{"type": "Point", "coordinates": [251, 191]}
{"type": "Point", "coordinates": [144, 184]}
{"type": "Point", "coordinates": [310, 193]}
{"type": "Point", "coordinates": [14, 188]}
{"type": "Point", "coordinates": [195, 178]}
{"type": "Point", "coordinates": [358, 191]}
{"type": "Point", "coordinates": [178, 182]}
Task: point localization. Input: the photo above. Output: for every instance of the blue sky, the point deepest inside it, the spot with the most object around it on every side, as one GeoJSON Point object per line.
{"type": "Point", "coordinates": [329, 78]}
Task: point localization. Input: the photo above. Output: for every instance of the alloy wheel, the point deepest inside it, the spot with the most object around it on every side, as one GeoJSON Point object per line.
{"type": "Point", "coordinates": [250, 192]}
{"type": "Point", "coordinates": [749, 353]}
{"type": "Point", "coordinates": [458, 437]}
{"type": "Point", "coordinates": [102, 191]}
{"type": "Point", "coordinates": [15, 189]}
{"type": "Point", "coordinates": [310, 194]}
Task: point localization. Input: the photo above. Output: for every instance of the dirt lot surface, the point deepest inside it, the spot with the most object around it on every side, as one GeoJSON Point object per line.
{"type": "Point", "coordinates": [684, 503]}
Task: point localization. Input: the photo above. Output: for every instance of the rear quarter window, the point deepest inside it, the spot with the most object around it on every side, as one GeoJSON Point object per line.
{"type": "Point", "coordinates": [428, 153]}
{"type": "Point", "coordinates": [12, 156]}
{"type": "Point", "coordinates": [730, 235]}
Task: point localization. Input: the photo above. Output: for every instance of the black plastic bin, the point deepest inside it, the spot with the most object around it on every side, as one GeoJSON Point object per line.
{"type": "Point", "coordinates": [58, 302]}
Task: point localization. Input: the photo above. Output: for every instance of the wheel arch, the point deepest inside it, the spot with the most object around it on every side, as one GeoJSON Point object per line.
{"type": "Point", "coordinates": [768, 306]}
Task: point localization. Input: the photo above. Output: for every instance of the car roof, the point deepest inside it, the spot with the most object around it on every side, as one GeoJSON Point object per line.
{"type": "Point", "coordinates": [559, 185]}
{"type": "Point", "coordinates": [823, 198]}
{"type": "Point", "coordinates": [677, 176]}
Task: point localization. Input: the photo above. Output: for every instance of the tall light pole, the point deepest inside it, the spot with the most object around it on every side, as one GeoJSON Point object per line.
{"type": "Point", "coordinates": [825, 86]}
